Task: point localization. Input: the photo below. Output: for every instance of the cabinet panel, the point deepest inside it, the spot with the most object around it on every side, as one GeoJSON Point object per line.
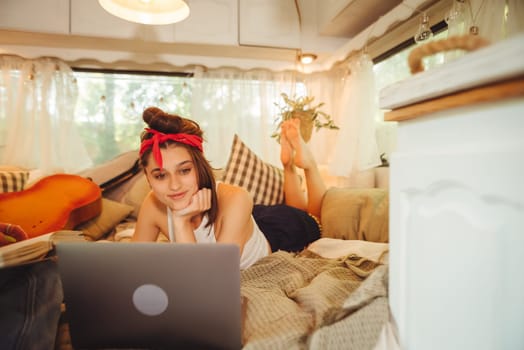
{"type": "Point", "coordinates": [456, 244]}
{"type": "Point", "coordinates": [456, 221]}
{"type": "Point", "coordinates": [90, 19]}
{"type": "Point", "coordinates": [45, 16]}
{"type": "Point", "coordinates": [263, 24]}
{"type": "Point", "coordinates": [209, 22]}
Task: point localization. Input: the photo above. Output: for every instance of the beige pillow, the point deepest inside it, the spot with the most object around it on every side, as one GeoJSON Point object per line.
{"type": "Point", "coordinates": [135, 196]}
{"type": "Point", "coordinates": [356, 213]}
{"type": "Point", "coordinates": [112, 214]}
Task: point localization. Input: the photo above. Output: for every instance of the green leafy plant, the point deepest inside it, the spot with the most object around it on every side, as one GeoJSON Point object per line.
{"type": "Point", "coordinates": [310, 115]}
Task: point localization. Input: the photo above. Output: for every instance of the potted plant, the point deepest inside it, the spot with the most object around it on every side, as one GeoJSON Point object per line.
{"type": "Point", "coordinates": [310, 115]}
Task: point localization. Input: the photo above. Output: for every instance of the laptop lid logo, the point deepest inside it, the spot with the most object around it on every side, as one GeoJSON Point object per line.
{"type": "Point", "coordinates": [150, 300]}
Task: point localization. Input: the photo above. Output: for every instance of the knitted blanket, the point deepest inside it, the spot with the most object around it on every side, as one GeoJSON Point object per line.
{"type": "Point", "coordinates": [304, 301]}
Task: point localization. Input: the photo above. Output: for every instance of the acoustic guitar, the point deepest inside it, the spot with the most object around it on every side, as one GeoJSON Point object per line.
{"type": "Point", "coordinates": [55, 202]}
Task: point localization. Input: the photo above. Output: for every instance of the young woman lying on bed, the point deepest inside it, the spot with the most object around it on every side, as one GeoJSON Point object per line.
{"type": "Point", "coordinates": [190, 206]}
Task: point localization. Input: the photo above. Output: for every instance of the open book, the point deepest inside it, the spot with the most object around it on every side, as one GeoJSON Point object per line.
{"type": "Point", "coordinates": [36, 248]}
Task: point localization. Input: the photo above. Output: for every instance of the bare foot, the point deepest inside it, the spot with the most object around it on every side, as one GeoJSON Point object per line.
{"type": "Point", "coordinates": [303, 157]}
{"type": "Point", "coordinates": [286, 151]}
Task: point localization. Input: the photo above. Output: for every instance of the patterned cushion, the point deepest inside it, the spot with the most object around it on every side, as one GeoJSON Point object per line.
{"type": "Point", "coordinates": [111, 215]}
{"type": "Point", "coordinates": [13, 180]}
{"type": "Point", "coordinates": [245, 169]}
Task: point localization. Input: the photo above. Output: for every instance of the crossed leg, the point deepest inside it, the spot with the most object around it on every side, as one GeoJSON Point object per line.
{"type": "Point", "coordinates": [295, 153]}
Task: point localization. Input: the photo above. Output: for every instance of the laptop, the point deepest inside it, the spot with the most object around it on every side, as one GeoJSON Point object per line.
{"type": "Point", "coordinates": [151, 295]}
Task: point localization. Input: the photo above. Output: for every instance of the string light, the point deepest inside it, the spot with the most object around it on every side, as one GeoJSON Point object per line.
{"type": "Point", "coordinates": [424, 31]}
{"type": "Point", "coordinates": [456, 12]}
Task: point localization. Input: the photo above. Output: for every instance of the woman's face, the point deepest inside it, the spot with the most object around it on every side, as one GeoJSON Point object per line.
{"type": "Point", "coordinates": [176, 183]}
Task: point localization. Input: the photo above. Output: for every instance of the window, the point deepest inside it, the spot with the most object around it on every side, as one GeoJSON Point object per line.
{"type": "Point", "coordinates": [389, 68]}
{"type": "Point", "coordinates": [394, 66]}
{"type": "Point", "coordinates": [109, 107]}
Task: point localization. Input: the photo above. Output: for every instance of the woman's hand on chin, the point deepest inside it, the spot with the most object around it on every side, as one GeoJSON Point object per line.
{"type": "Point", "coordinates": [200, 202]}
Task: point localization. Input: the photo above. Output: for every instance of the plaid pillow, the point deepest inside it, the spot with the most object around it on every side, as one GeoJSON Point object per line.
{"type": "Point", "coordinates": [13, 181]}
{"type": "Point", "coordinates": [264, 181]}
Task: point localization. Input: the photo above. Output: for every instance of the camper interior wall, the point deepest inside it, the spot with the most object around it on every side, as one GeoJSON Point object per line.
{"type": "Point", "coordinates": [245, 34]}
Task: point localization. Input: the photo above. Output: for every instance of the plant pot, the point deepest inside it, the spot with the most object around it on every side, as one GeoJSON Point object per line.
{"type": "Point", "coordinates": [306, 124]}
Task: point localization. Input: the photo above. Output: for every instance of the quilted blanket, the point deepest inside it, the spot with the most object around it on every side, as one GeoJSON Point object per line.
{"type": "Point", "coordinates": [304, 301]}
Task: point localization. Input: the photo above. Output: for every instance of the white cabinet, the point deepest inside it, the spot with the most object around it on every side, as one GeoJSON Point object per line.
{"type": "Point", "coordinates": [209, 22]}
{"type": "Point", "coordinates": [457, 227]}
{"type": "Point", "coordinates": [269, 23]}
{"type": "Point", "coordinates": [45, 16]}
{"type": "Point", "coordinates": [457, 212]}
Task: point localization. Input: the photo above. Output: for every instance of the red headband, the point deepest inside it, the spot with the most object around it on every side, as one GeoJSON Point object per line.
{"type": "Point", "coordinates": [159, 137]}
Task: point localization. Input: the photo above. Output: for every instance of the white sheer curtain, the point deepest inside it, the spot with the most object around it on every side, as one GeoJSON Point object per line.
{"type": "Point", "coordinates": [325, 87]}
{"type": "Point", "coordinates": [38, 98]}
{"type": "Point", "coordinates": [356, 146]}
{"type": "Point", "coordinates": [229, 101]}
{"type": "Point", "coordinates": [37, 129]}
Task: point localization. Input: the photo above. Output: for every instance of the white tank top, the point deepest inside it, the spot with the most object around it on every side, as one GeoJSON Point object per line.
{"type": "Point", "coordinates": [254, 249]}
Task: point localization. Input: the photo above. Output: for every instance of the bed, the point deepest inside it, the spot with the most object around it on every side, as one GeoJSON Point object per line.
{"type": "Point", "coordinates": [331, 295]}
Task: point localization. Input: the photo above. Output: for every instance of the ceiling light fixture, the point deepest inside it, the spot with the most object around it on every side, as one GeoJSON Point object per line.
{"type": "Point", "coordinates": [307, 58]}
{"type": "Point", "coordinates": [302, 58]}
{"type": "Point", "coordinates": [155, 12]}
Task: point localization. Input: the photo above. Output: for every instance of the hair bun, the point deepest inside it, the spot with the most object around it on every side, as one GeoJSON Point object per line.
{"type": "Point", "coordinates": [150, 112]}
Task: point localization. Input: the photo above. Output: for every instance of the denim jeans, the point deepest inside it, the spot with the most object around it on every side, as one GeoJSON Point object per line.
{"type": "Point", "coordinates": [30, 299]}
